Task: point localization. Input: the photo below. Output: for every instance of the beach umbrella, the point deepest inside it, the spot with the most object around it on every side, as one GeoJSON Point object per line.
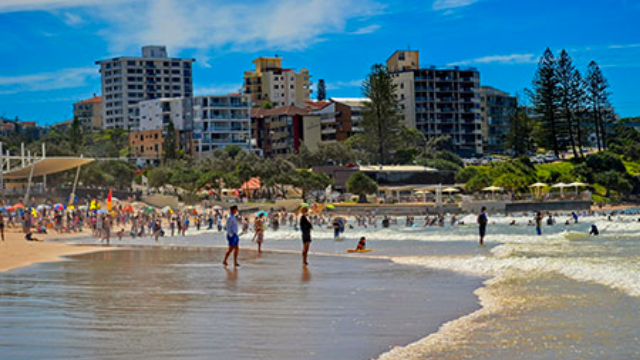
{"type": "Point", "coordinates": [450, 190]}
{"type": "Point", "coordinates": [71, 207]}
{"type": "Point", "coordinates": [217, 208]}
{"type": "Point", "coordinates": [82, 207]}
{"type": "Point", "coordinates": [493, 190]}
{"type": "Point", "coordinates": [304, 205]}
{"type": "Point", "coordinates": [560, 186]}
{"type": "Point", "coordinates": [58, 207]}
{"type": "Point", "coordinates": [149, 210]}
{"type": "Point", "coordinates": [41, 207]}
{"type": "Point", "coordinates": [331, 206]}
{"type": "Point", "coordinates": [167, 209]}
{"type": "Point", "coordinates": [18, 206]}
{"type": "Point", "coordinates": [577, 185]}
{"type": "Point", "coordinates": [263, 213]}
{"type": "Point", "coordinates": [128, 208]}
{"type": "Point", "coordinates": [102, 211]}
{"type": "Point", "coordinates": [9, 208]}
{"type": "Point", "coordinates": [539, 187]}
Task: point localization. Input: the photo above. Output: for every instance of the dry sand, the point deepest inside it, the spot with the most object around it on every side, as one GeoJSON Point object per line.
{"type": "Point", "coordinates": [16, 252]}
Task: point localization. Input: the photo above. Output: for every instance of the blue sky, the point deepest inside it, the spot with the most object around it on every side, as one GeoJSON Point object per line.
{"type": "Point", "coordinates": [48, 47]}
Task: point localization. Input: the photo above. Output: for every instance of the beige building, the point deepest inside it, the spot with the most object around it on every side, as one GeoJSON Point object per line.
{"type": "Point", "coordinates": [269, 82]}
{"type": "Point", "coordinates": [440, 101]}
{"type": "Point", "coordinates": [89, 112]}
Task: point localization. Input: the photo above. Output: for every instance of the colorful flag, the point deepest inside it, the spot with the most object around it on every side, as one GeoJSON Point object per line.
{"type": "Point", "coordinates": [109, 199]}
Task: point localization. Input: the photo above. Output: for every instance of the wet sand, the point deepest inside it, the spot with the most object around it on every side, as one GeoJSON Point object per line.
{"type": "Point", "coordinates": [176, 302]}
{"type": "Point", "coordinates": [16, 252]}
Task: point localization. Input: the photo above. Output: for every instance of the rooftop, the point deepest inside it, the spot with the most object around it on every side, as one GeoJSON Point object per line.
{"type": "Point", "coordinates": [283, 110]}
{"type": "Point", "coordinates": [94, 100]}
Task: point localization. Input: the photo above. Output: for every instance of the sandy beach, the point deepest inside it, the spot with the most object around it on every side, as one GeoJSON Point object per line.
{"type": "Point", "coordinates": [16, 252]}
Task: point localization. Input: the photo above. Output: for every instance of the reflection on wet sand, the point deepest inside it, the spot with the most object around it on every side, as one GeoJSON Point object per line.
{"type": "Point", "coordinates": [181, 302]}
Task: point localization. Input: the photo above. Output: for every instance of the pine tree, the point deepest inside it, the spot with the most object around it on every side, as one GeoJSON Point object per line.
{"type": "Point", "coordinates": [322, 90]}
{"type": "Point", "coordinates": [545, 99]}
{"type": "Point", "coordinates": [597, 95]}
{"type": "Point", "coordinates": [382, 120]}
{"type": "Point", "coordinates": [565, 73]}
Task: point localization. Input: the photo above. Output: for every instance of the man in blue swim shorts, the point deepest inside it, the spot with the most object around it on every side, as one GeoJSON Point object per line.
{"type": "Point", "coordinates": [232, 237]}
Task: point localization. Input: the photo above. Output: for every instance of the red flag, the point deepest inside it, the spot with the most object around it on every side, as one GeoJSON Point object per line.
{"type": "Point", "coordinates": [109, 199]}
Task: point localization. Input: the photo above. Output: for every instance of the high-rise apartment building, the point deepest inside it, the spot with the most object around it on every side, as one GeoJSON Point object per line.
{"type": "Point", "coordinates": [497, 109]}
{"type": "Point", "coordinates": [128, 80]}
{"type": "Point", "coordinates": [221, 121]}
{"type": "Point", "coordinates": [89, 112]}
{"type": "Point", "coordinates": [269, 82]}
{"type": "Point", "coordinates": [440, 101]}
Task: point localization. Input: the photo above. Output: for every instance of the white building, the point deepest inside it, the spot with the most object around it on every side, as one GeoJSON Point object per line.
{"type": "Point", "coordinates": [157, 114]}
{"type": "Point", "coordinates": [221, 121]}
{"type": "Point", "coordinates": [128, 80]}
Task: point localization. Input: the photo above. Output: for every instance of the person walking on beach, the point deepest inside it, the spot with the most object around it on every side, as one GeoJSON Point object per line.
{"type": "Point", "coordinates": [482, 224]}
{"type": "Point", "coordinates": [232, 237]}
{"type": "Point", "coordinates": [305, 228]}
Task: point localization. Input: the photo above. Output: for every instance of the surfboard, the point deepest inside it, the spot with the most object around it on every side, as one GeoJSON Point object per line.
{"type": "Point", "coordinates": [359, 251]}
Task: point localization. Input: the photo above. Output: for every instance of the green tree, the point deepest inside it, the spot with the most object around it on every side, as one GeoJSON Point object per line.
{"type": "Point", "coordinates": [520, 137]}
{"type": "Point", "coordinates": [546, 101]}
{"type": "Point", "coordinates": [159, 177]}
{"type": "Point", "coordinates": [612, 180]}
{"type": "Point", "coordinates": [382, 119]}
{"type": "Point", "coordinates": [308, 180]}
{"type": "Point", "coordinates": [233, 150]}
{"type": "Point", "coordinates": [169, 143]}
{"type": "Point", "coordinates": [570, 98]}
{"type": "Point", "coordinates": [322, 90]}
{"type": "Point", "coordinates": [597, 98]}
{"type": "Point", "coordinates": [361, 185]}
{"type": "Point", "coordinates": [75, 135]}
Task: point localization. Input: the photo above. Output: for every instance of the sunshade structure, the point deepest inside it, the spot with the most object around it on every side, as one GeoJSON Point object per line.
{"type": "Point", "coordinates": [450, 190]}
{"type": "Point", "coordinates": [577, 185]}
{"type": "Point", "coordinates": [493, 188]}
{"type": "Point", "coordinates": [538, 187]}
{"type": "Point", "coordinates": [252, 184]}
{"type": "Point", "coordinates": [560, 186]}
{"type": "Point", "coordinates": [46, 166]}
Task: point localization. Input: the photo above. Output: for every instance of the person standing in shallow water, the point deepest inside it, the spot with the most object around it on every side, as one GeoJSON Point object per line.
{"type": "Point", "coordinates": [305, 228]}
{"type": "Point", "coordinates": [232, 237]}
{"type": "Point", "coordinates": [482, 224]}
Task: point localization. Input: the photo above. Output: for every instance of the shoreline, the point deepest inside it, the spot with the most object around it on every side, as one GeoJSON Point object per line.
{"type": "Point", "coordinates": [16, 252]}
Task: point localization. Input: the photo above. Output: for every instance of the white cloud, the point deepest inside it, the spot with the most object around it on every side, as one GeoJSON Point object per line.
{"type": "Point", "coordinates": [202, 25]}
{"type": "Point", "coordinates": [624, 46]}
{"type": "Point", "coordinates": [29, 5]}
{"type": "Point", "coordinates": [237, 26]}
{"type": "Point", "coordinates": [513, 59]}
{"type": "Point", "coordinates": [448, 5]}
{"type": "Point", "coordinates": [367, 29]}
{"type": "Point", "coordinates": [72, 19]}
{"type": "Point", "coordinates": [336, 85]}
{"type": "Point", "coordinates": [61, 79]}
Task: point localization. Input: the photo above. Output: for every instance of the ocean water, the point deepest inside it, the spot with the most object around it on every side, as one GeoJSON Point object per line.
{"type": "Point", "coordinates": [562, 295]}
